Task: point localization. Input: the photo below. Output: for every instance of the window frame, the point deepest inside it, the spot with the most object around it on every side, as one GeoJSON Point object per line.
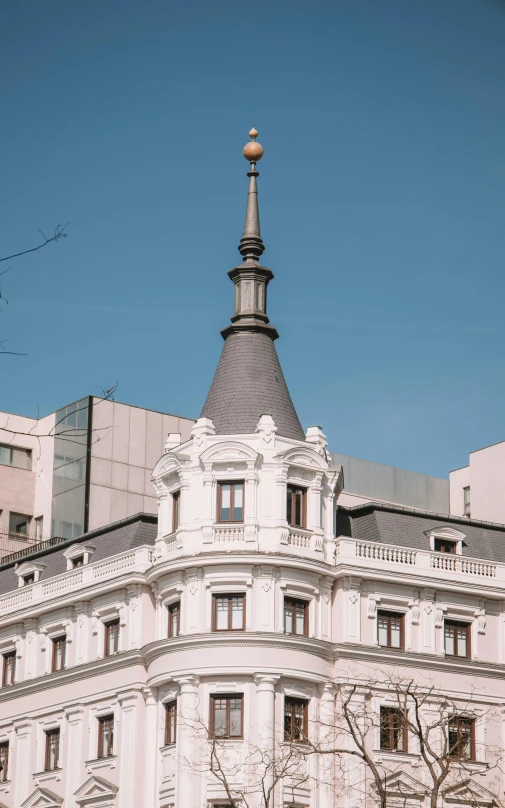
{"type": "Point", "coordinates": [294, 601]}
{"type": "Point", "coordinates": [453, 545]}
{"type": "Point", "coordinates": [229, 596]}
{"type": "Point", "coordinates": [455, 624]}
{"type": "Point", "coordinates": [176, 509]}
{"type": "Point", "coordinates": [292, 488]}
{"type": "Point", "coordinates": [50, 735]}
{"type": "Point", "coordinates": [103, 721]}
{"type": "Point", "coordinates": [77, 562]}
{"type": "Point", "coordinates": [60, 639]}
{"type": "Point", "coordinates": [212, 715]}
{"type": "Point", "coordinates": [28, 579]}
{"type": "Point", "coordinates": [290, 705]}
{"type": "Point", "coordinates": [385, 613]}
{"type": "Point", "coordinates": [391, 729]}
{"type": "Point", "coordinates": [107, 630]}
{"type": "Point", "coordinates": [459, 720]}
{"type": "Point", "coordinates": [4, 757]}
{"type": "Point", "coordinates": [10, 655]}
{"type": "Point", "coordinates": [170, 711]}
{"type": "Point", "coordinates": [171, 608]}
{"type": "Point", "coordinates": [232, 484]}
{"type": "Point", "coordinates": [467, 505]}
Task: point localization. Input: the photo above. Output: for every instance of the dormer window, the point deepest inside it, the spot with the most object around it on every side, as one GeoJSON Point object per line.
{"type": "Point", "coordinates": [230, 501]}
{"type": "Point", "coordinates": [29, 572]}
{"type": "Point", "coordinates": [78, 555]}
{"type": "Point", "coordinates": [444, 546]}
{"type": "Point", "coordinates": [296, 506]}
{"type": "Point", "coordinates": [28, 579]}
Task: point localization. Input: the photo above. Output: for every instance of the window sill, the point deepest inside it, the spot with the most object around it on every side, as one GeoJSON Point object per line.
{"type": "Point", "coordinates": [167, 747]}
{"type": "Point", "coordinates": [101, 763]}
{"type": "Point", "coordinates": [48, 774]}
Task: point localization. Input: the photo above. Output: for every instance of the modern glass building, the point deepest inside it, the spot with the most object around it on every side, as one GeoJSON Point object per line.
{"type": "Point", "coordinates": [72, 448]}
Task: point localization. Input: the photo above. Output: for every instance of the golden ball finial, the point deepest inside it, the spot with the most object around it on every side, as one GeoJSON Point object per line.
{"type": "Point", "coordinates": [253, 151]}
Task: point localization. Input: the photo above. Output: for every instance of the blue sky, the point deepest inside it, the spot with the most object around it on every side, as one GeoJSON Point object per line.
{"type": "Point", "coordinates": [382, 207]}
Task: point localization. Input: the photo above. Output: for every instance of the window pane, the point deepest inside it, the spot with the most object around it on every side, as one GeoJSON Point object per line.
{"type": "Point", "coordinates": [238, 504]}
{"type": "Point", "coordinates": [237, 613]}
{"type": "Point", "coordinates": [288, 617]}
{"type": "Point", "coordinates": [300, 619]}
{"type": "Point", "coordinates": [395, 632]}
{"type": "Point", "coordinates": [382, 629]}
{"type": "Point", "coordinates": [225, 502]}
{"type": "Point", "coordinates": [298, 508]}
{"type": "Point", "coordinates": [235, 717]}
{"type": "Point", "coordinates": [222, 613]}
{"type": "Point", "coordinates": [219, 717]}
{"type": "Point", "coordinates": [289, 508]}
{"type": "Point", "coordinates": [461, 634]}
{"type": "Point", "coordinates": [449, 640]}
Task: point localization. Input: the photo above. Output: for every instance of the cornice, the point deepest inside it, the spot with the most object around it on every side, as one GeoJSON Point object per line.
{"type": "Point", "coordinates": [214, 558]}
{"type": "Point", "coordinates": [406, 659]}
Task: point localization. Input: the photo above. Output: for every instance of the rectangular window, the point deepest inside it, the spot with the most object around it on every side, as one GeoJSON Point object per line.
{"type": "Point", "coordinates": [111, 638]}
{"type": "Point", "coordinates": [296, 617]}
{"type": "Point", "coordinates": [13, 456]}
{"type": "Point", "coordinates": [230, 502]}
{"type": "Point", "coordinates": [170, 722]}
{"type": "Point", "coordinates": [226, 716]}
{"type": "Point", "coordinates": [106, 736]}
{"type": "Point", "coordinates": [19, 524]}
{"type": "Point", "coordinates": [457, 639]}
{"type": "Point", "coordinates": [390, 629]}
{"type": "Point", "coordinates": [59, 653]}
{"type": "Point", "coordinates": [29, 579]}
{"type": "Point", "coordinates": [461, 738]}
{"type": "Point", "coordinates": [78, 562]}
{"type": "Point", "coordinates": [444, 546]}
{"type": "Point", "coordinates": [296, 507]}
{"type": "Point", "coordinates": [393, 730]}
{"type": "Point", "coordinates": [174, 619]}
{"type": "Point", "coordinates": [52, 750]}
{"type": "Point", "coordinates": [176, 505]}
{"type": "Point", "coordinates": [4, 761]}
{"type": "Point", "coordinates": [228, 612]}
{"type": "Point", "coordinates": [295, 719]}
{"type": "Point", "coordinates": [466, 501]}
{"type": "Point", "coordinates": [39, 528]}
{"type": "Point", "coordinates": [9, 669]}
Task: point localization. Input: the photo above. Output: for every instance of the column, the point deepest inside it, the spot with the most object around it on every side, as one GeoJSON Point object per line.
{"type": "Point", "coordinates": [326, 740]}
{"type": "Point", "coordinates": [151, 755]}
{"type": "Point", "coordinates": [74, 757]}
{"type": "Point", "coordinates": [188, 737]}
{"type": "Point", "coordinates": [24, 762]}
{"type": "Point", "coordinates": [265, 722]}
{"type": "Point", "coordinates": [128, 783]}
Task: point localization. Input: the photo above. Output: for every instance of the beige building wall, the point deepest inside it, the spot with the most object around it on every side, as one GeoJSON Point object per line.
{"type": "Point", "coordinates": [485, 475]}
{"type": "Point", "coordinates": [126, 444]}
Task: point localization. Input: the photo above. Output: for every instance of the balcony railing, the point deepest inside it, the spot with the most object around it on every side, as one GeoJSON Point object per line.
{"type": "Point", "coordinates": [133, 560]}
{"type": "Point", "coordinates": [438, 564]}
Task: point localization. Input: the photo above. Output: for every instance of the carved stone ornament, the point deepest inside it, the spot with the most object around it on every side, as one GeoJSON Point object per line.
{"type": "Point", "coordinates": [372, 606]}
{"type": "Point", "coordinates": [480, 614]}
{"type": "Point", "coordinates": [415, 611]}
{"type": "Point", "coordinates": [439, 617]}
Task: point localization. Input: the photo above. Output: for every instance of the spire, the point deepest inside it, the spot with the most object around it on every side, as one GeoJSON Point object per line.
{"type": "Point", "coordinates": [251, 244]}
{"type": "Point", "coordinates": [249, 381]}
{"type": "Point", "coordinates": [250, 278]}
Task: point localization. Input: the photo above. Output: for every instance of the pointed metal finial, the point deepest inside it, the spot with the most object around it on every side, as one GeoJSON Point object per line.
{"type": "Point", "coordinates": [251, 245]}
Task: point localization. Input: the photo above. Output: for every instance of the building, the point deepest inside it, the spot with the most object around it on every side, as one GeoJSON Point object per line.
{"type": "Point", "coordinates": [84, 466]}
{"type": "Point", "coordinates": [478, 490]}
{"type": "Point", "coordinates": [207, 657]}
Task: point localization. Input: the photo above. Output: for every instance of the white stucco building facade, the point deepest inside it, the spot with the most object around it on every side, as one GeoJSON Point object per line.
{"type": "Point", "coordinates": [237, 613]}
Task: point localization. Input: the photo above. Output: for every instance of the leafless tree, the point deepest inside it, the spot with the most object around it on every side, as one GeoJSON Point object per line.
{"type": "Point", "coordinates": [369, 744]}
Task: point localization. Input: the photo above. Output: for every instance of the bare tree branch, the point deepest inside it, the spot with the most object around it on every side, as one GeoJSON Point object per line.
{"type": "Point", "coordinates": [59, 232]}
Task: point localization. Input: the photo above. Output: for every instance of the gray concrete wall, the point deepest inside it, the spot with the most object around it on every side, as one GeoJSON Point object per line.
{"type": "Point", "coordinates": [389, 484]}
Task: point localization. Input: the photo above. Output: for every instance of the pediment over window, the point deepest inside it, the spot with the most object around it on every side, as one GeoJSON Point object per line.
{"type": "Point", "coordinates": [42, 798]}
{"type": "Point", "coordinates": [402, 785]}
{"type": "Point", "coordinates": [96, 792]}
{"type": "Point", "coordinates": [167, 464]}
{"type": "Point", "coordinates": [469, 793]}
{"type": "Point", "coordinates": [228, 450]}
{"type": "Point", "coordinates": [445, 532]}
{"type": "Point", "coordinates": [304, 457]}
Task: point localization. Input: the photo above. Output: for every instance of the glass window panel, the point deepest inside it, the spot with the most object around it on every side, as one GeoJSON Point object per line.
{"type": "Point", "coordinates": [219, 717]}
{"type": "Point", "coordinates": [449, 640]}
{"type": "Point", "coordinates": [395, 632]}
{"type": "Point", "coordinates": [235, 717]}
{"type": "Point", "coordinates": [288, 617]}
{"type": "Point", "coordinates": [461, 634]}
{"type": "Point", "coordinates": [382, 625]}
{"type": "Point", "coordinates": [300, 621]}
{"type": "Point", "coordinates": [238, 504]}
{"type": "Point", "coordinates": [237, 613]}
{"type": "Point", "coordinates": [5, 455]}
{"type": "Point", "coordinates": [225, 502]}
{"type": "Point", "coordinates": [290, 506]}
{"type": "Point", "coordinates": [222, 613]}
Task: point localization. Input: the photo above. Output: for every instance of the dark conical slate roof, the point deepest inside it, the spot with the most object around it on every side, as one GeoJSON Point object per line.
{"type": "Point", "coordinates": [249, 383]}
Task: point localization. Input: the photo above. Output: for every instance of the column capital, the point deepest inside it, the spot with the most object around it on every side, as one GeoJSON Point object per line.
{"type": "Point", "coordinates": [188, 684]}
{"type": "Point", "coordinates": [327, 691]}
{"type": "Point", "coordinates": [266, 681]}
